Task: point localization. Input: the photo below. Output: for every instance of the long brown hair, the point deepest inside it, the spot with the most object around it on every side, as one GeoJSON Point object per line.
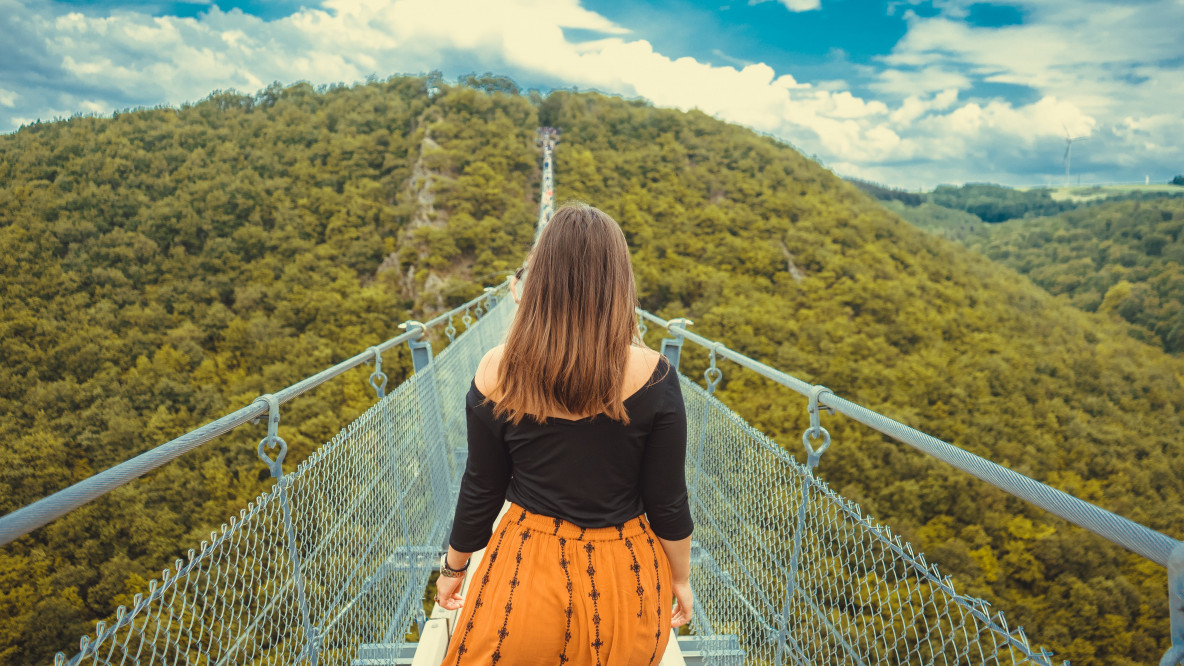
{"type": "Point", "coordinates": [568, 345]}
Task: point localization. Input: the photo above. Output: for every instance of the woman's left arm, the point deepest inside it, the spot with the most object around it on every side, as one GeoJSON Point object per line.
{"type": "Point", "coordinates": [482, 488]}
{"type": "Point", "coordinates": [447, 588]}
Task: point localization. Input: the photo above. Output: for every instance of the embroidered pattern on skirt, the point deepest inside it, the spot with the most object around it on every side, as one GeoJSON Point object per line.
{"type": "Point", "coordinates": [596, 644]}
{"type": "Point", "coordinates": [636, 567]}
{"type": "Point", "coordinates": [514, 582]}
{"type": "Point", "coordinates": [567, 598]}
{"type": "Point", "coordinates": [570, 610]}
{"type": "Point", "coordinates": [658, 572]}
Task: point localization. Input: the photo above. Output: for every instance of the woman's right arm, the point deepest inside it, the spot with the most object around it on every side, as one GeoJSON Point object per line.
{"type": "Point", "coordinates": [664, 493]}
{"type": "Point", "coordinates": [679, 554]}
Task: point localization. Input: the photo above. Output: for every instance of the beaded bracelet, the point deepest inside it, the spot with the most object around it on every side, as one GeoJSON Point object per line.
{"type": "Point", "coordinates": [449, 572]}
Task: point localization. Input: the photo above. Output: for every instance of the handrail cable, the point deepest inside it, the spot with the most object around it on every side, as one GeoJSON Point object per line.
{"type": "Point", "coordinates": [1124, 532]}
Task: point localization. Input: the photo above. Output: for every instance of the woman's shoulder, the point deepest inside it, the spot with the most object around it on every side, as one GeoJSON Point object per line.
{"type": "Point", "coordinates": [646, 363]}
{"type": "Point", "coordinates": [487, 369]}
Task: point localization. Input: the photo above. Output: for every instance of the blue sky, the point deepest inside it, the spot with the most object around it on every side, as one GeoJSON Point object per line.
{"type": "Point", "coordinates": [909, 93]}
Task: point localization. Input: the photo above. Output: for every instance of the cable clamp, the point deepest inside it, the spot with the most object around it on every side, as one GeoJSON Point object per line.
{"type": "Point", "coordinates": [814, 407]}
{"type": "Point", "coordinates": [422, 329]}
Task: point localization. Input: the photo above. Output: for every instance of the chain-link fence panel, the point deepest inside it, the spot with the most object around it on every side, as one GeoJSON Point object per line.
{"type": "Point", "coordinates": [785, 571]}
{"type": "Point", "coordinates": [336, 554]}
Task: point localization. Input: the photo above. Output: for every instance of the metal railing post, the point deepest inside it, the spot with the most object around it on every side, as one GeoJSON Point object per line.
{"type": "Point", "coordinates": [431, 418]}
{"type": "Point", "coordinates": [712, 375]}
{"type": "Point", "coordinates": [672, 347]}
{"type": "Point", "coordinates": [1175, 654]}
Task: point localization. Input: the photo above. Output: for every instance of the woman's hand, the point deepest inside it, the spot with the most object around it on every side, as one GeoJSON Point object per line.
{"type": "Point", "coordinates": [448, 592]}
{"type": "Point", "coordinates": [685, 604]}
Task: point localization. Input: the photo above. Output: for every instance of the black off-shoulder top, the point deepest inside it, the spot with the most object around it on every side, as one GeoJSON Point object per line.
{"type": "Point", "coordinates": [594, 471]}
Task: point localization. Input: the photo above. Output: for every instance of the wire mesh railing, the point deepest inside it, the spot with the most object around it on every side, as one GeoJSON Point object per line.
{"type": "Point", "coordinates": [924, 619]}
{"type": "Point", "coordinates": [336, 554]}
{"type": "Point", "coordinates": [800, 576]}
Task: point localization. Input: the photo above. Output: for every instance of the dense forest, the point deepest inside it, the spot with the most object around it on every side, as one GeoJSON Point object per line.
{"type": "Point", "coordinates": [1122, 259]}
{"type": "Point", "coordinates": [996, 203]}
{"type": "Point", "coordinates": [166, 266]}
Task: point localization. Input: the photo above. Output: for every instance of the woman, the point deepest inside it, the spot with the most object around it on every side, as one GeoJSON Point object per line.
{"type": "Point", "coordinates": [582, 428]}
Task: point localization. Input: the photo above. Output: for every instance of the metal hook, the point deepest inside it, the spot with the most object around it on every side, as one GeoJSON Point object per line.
{"type": "Point", "coordinates": [812, 454]}
{"type": "Point", "coordinates": [815, 430]}
{"type": "Point", "coordinates": [378, 377]}
{"type": "Point", "coordinates": [450, 330]}
{"type": "Point", "coordinates": [272, 439]}
{"type": "Point", "coordinates": [683, 321]}
{"type": "Point", "coordinates": [713, 374]}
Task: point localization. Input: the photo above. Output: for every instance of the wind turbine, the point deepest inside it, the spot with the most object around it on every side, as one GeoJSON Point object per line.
{"type": "Point", "coordinates": [1069, 150]}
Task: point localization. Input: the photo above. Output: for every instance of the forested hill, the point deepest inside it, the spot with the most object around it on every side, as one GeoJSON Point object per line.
{"type": "Point", "coordinates": [166, 266]}
{"type": "Point", "coordinates": [991, 203]}
{"type": "Point", "coordinates": [1123, 260]}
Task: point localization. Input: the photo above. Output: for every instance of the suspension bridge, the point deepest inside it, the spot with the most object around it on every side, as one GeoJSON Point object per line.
{"type": "Point", "coordinates": [331, 564]}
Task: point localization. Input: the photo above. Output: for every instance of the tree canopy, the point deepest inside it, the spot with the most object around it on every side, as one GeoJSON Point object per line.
{"type": "Point", "coordinates": [1121, 259]}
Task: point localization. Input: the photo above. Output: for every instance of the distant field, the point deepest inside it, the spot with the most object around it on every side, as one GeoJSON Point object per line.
{"type": "Point", "coordinates": [1093, 192]}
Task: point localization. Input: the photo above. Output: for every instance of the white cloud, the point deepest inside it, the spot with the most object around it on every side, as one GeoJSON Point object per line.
{"type": "Point", "coordinates": [1083, 50]}
{"type": "Point", "coordinates": [914, 107]}
{"type": "Point", "coordinates": [95, 106]}
{"type": "Point", "coordinates": [918, 82]}
{"type": "Point", "coordinates": [794, 5]}
{"type": "Point", "coordinates": [924, 125]}
{"type": "Point", "coordinates": [737, 62]}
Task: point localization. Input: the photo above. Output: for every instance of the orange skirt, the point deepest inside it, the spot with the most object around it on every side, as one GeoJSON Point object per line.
{"type": "Point", "coordinates": [550, 592]}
